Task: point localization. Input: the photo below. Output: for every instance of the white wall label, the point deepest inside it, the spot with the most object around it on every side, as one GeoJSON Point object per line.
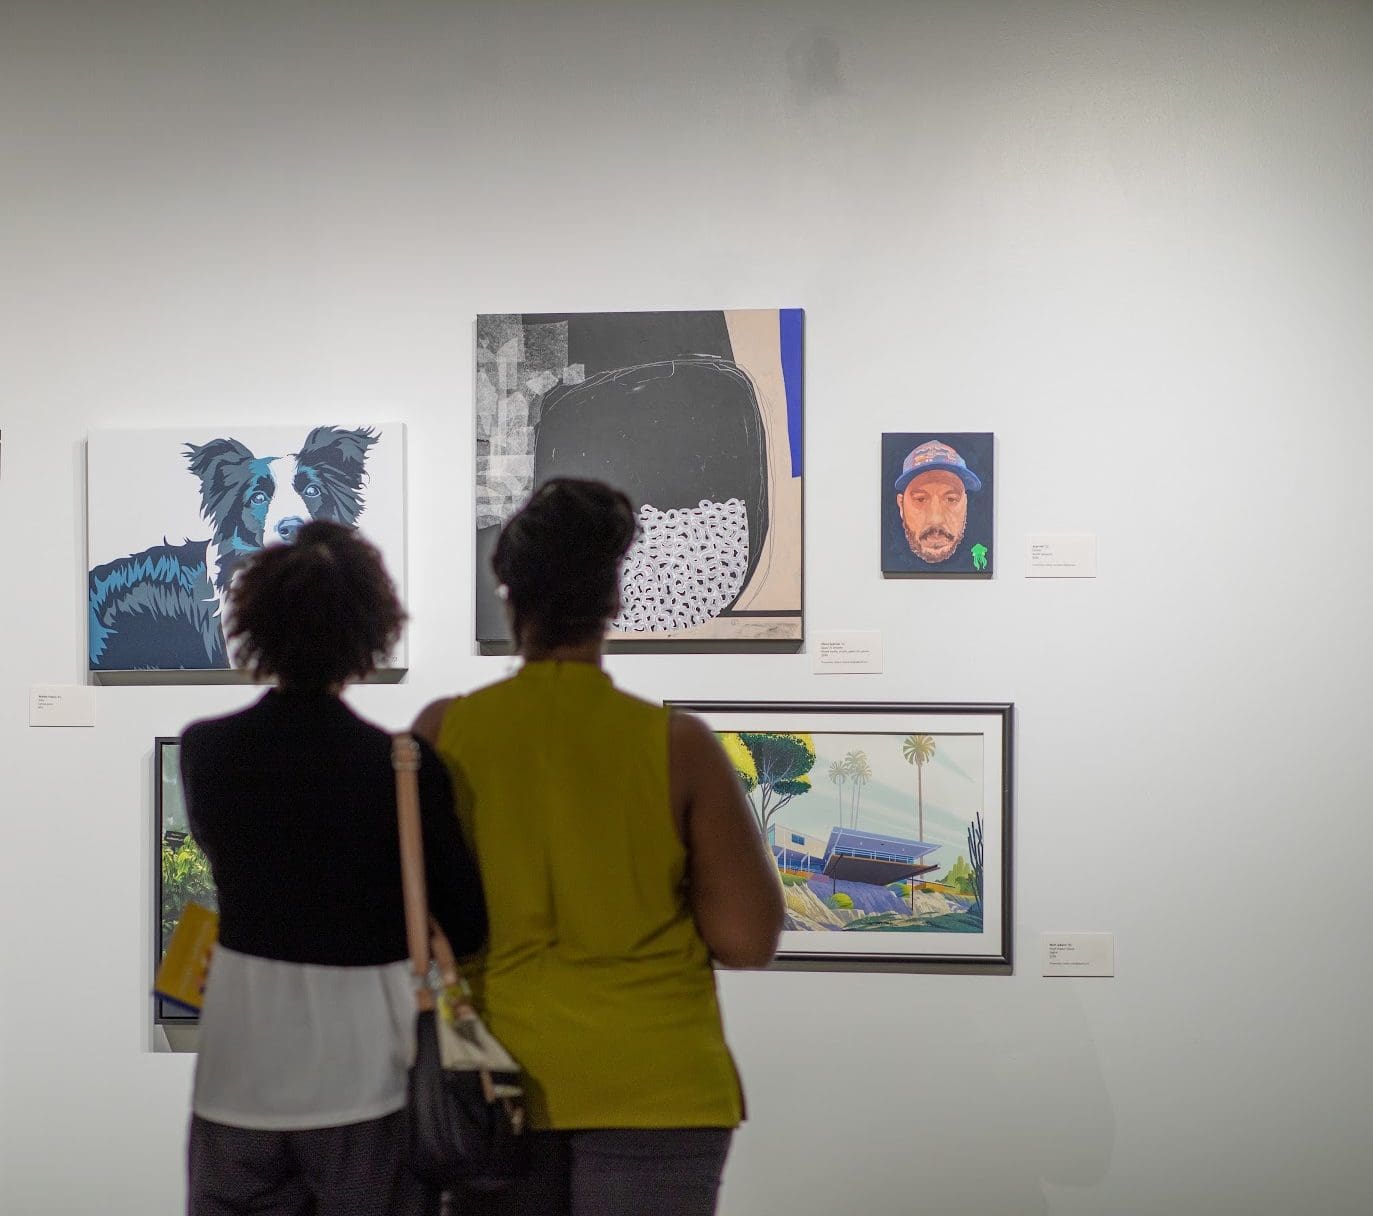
{"type": "Point", "coordinates": [1066, 556]}
{"type": "Point", "coordinates": [61, 705]}
{"type": "Point", "coordinates": [846, 652]}
{"type": "Point", "coordinates": [1078, 953]}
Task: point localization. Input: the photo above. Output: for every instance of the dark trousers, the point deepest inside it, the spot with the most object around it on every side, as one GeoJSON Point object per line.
{"type": "Point", "coordinates": [352, 1170]}
{"type": "Point", "coordinates": [611, 1172]}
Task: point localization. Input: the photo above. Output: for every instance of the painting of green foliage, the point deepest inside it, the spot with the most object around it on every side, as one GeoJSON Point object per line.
{"type": "Point", "coordinates": [183, 871]}
{"type": "Point", "coordinates": [185, 880]}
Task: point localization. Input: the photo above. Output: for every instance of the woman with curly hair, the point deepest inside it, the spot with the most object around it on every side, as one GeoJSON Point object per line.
{"type": "Point", "coordinates": [307, 1028]}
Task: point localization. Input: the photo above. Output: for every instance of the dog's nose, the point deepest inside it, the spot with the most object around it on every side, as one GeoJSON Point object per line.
{"type": "Point", "coordinates": [289, 529]}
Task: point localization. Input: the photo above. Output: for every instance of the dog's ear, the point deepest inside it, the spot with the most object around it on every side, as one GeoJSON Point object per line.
{"type": "Point", "coordinates": [343, 451]}
{"type": "Point", "coordinates": [220, 465]}
{"type": "Point", "coordinates": [339, 457]}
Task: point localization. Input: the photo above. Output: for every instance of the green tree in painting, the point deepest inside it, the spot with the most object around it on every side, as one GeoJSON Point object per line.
{"type": "Point", "coordinates": [960, 877]}
{"type": "Point", "coordinates": [860, 773]}
{"type": "Point", "coordinates": [742, 760]}
{"type": "Point", "coordinates": [185, 879]}
{"type": "Point", "coordinates": [839, 775]}
{"type": "Point", "coordinates": [919, 750]}
{"type": "Point", "coordinates": [774, 768]}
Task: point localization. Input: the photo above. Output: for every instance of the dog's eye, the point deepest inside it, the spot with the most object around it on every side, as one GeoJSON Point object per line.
{"type": "Point", "coordinates": [257, 499]}
{"type": "Point", "coordinates": [310, 492]}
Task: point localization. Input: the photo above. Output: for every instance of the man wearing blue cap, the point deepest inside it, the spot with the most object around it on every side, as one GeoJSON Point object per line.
{"type": "Point", "coordinates": [932, 500]}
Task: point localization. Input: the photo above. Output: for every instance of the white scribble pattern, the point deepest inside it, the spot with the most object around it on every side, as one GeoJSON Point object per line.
{"type": "Point", "coordinates": [685, 567]}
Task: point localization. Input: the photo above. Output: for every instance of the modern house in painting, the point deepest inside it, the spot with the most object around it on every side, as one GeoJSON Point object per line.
{"type": "Point", "coordinates": [851, 855]}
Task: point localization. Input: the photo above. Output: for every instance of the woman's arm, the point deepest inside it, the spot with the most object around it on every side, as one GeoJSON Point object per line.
{"type": "Point", "coordinates": [191, 752]}
{"type": "Point", "coordinates": [732, 882]}
{"type": "Point", "coordinates": [451, 875]}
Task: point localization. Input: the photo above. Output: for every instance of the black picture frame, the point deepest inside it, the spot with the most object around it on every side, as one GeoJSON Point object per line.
{"type": "Point", "coordinates": [180, 868]}
{"type": "Point", "coordinates": [974, 746]}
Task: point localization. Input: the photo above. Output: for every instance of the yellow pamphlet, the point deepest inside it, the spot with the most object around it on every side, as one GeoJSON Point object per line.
{"type": "Point", "coordinates": [181, 977]}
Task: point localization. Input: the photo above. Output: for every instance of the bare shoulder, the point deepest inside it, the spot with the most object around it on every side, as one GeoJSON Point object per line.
{"type": "Point", "coordinates": [430, 719]}
{"type": "Point", "coordinates": [732, 883]}
{"type": "Point", "coordinates": [692, 744]}
{"type": "Point", "coordinates": [693, 764]}
{"type": "Point", "coordinates": [688, 730]}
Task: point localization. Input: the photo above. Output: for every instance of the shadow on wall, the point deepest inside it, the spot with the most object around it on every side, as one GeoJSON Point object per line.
{"type": "Point", "coordinates": [913, 1106]}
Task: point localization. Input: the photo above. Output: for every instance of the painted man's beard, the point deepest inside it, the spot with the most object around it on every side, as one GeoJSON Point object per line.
{"type": "Point", "coordinates": [685, 567]}
{"type": "Point", "coordinates": [929, 543]}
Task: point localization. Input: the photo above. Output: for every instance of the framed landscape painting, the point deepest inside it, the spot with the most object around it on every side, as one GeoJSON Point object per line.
{"type": "Point", "coordinates": [697, 417]}
{"type": "Point", "coordinates": [889, 824]}
{"type": "Point", "coordinates": [183, 872]}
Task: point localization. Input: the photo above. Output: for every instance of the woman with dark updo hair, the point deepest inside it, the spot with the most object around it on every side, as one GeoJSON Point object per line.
{"type": "Point", "coordinates": [619, 858]}
{"type": "Point", "coordinates": [308, 1022]}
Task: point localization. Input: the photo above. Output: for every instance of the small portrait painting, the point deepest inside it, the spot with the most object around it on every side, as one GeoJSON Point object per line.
{"type": "Point", "coordinates": [937, 503]}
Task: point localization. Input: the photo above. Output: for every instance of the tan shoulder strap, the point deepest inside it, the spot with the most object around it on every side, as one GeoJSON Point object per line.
{"type": "Point", "coordinates": [405, 759]}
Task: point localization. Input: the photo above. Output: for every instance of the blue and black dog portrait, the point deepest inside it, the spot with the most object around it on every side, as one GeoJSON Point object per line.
{"type": "Point", "coordinates": [161, 607]}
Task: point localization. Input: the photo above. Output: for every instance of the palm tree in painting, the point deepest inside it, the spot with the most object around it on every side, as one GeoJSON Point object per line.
{"type": "Point", "coordinates": [838, 775]}
{"type": "Point", "coordinates": [860, 773]}
{"type": "Point", "coordinates": [919, 750]}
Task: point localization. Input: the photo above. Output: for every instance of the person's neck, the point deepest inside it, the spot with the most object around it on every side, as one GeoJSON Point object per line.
{"type": "Point", "coordinates": [590, 652]}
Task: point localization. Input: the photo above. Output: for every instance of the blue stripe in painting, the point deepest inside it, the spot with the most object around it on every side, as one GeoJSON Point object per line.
{"type": "Point", "coordinates": [789, 323]}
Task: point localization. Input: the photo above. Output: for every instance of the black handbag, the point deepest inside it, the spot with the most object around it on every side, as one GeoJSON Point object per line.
{"type": "Point", "coordinates": [464, 1112]}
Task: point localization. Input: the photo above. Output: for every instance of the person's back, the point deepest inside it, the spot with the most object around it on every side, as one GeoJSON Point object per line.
{"type": "Point", "coordinates": [307, 1024]}
{"type": "Point", "coordinates": [619, 856]}
{"type": "Point", "coordinates": [292, 801]}
{"type": "Point", "coordinates": [594, 973]}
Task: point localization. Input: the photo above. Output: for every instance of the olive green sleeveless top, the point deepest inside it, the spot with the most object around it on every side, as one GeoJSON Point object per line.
{"type": "Point", "coordinates": [594, 975]}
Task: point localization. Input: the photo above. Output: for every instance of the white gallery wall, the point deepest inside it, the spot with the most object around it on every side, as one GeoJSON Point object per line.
{"type": "Point", "coordinates": [1131, 239]}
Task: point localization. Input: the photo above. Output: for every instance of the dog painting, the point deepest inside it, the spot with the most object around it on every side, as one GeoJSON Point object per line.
{"type": "Point", "coordinates": [225, 494]}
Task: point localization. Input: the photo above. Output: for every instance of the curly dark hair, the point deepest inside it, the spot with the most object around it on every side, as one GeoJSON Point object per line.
{"type": "Point", "coordinates": [314, 614]}
{"type": "Point", "coordinates": [559, 560]}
